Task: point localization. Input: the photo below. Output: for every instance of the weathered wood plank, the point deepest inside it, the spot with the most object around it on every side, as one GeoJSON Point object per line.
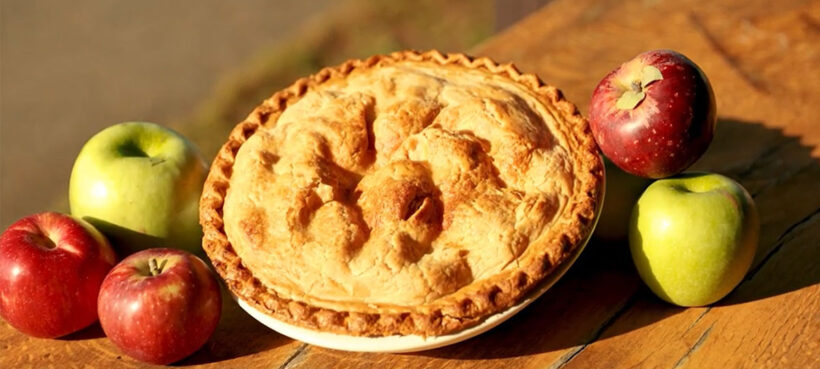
{"type": "Point", "coordinates": [777, 305]}
{"type": "Point", "coordinates": [760, 59]}
{"type": "Point", "coordinates": [239, 341]}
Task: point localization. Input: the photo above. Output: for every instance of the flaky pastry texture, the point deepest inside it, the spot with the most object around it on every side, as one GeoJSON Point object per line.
{"type": "Point", "coordinates": [410, 193]}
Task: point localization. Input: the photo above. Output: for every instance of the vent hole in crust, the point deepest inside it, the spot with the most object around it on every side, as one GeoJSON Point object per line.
{"type": "Point", "coordinates": [414, 206]}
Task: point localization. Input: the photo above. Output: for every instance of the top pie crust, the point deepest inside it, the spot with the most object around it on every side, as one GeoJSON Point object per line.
{"type": "Point", "coordinates": [412, 193]}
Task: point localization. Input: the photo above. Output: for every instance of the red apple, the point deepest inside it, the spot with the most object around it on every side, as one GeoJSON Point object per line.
{"type": "Point", "coordinates": [51, 269]}
{"type": "Point", "coordinates": [654, 116]}
{"type": "Point", "coordinates": [160, 305]}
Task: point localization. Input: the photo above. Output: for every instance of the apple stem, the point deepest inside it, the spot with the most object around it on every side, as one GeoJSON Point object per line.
{"type": "Point", "coordinates": [636, 86]}
{"type": "Point", "coordinates": [153, 267]}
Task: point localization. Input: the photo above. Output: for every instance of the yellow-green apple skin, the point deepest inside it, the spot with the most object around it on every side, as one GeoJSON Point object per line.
{"type": "Point", "coordinates": [139, 183]}
{"type": "Point", "coordinates": [693, 237]}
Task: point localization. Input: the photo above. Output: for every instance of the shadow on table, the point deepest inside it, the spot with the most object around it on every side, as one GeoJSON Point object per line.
{"type": "Point", "coordinates": [784, 179]}
{"type": "Point", "coordinates": [91, 332]}
{"type": "Point", "coordinates": [238, 334]}
{"type": "Point", "coordinates": [601, 296]}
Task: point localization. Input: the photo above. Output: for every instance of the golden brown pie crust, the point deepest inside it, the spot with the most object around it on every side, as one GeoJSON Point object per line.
{"type": "Point", "coordinates": [454, 310]}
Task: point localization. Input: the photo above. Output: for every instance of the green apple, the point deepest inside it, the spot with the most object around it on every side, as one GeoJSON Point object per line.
{"type": "Point", "coordinates": [693, 237]}
{"type": "Point", "coordinates": [139, 183]}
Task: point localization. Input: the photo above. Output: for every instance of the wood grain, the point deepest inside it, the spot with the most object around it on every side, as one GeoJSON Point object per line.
{"type": "Point", "coordinates": [761, 60]}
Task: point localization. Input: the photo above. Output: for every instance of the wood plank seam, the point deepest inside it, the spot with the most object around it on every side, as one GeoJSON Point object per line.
{"type": "Point", "coordinates": [694, 347]}
{"type": "Point", "coordinates": [781, 240]}
{"type": "Point", "coordinates": [697, 319]}
{"type": "Point", "coordinates": [566, 358]}
{"type": "Point", "coordinates": [756, 163]}
{"type": "Point", "coordinates": [299, 350]}
{"type": "Point", "coordinates": [780, 180]}
{"type": "Point", "coordinates": [720, 50]}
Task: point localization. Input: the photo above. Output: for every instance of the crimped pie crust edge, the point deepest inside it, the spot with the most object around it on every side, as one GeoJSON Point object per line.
{"type": "Point", "coordinates": [479, 302]}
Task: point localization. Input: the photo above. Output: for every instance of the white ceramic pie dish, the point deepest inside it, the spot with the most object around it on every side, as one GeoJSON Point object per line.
{"type": "Point", "coordinates": [409, 343]}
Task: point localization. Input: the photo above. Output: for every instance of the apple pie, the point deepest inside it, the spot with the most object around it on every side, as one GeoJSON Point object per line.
{"type": "Point", "coordinates": [410, 193]}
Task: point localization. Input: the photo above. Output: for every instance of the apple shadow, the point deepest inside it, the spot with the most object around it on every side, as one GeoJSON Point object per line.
{"type": "Point", "coordinates": [120, 237]}
{"type": "Point", "coordinates": [127, 241]}
{"type": "Point", "coordinates": [88, 333]}
{"type": "Point", "coordinates": [237, 335]}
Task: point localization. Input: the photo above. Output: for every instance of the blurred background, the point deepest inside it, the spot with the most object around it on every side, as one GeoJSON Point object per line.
{"type": "Point", "coordinates": [71, 68]}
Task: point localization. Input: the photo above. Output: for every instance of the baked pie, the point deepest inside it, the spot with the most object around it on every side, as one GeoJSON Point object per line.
{"type": "Point", "coordinates": [410, 193]}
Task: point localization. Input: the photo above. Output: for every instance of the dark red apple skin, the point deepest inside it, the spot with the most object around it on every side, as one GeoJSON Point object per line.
{"type": "Point", "coordinates": [51, 269]}
{"type": "Point", "coordinates": [665, 133]}
{"type": "Point", "coordinates": [164, 318]}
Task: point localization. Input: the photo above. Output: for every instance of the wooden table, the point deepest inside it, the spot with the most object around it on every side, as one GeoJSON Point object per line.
{"type": "Point", "coordinates": [762, 58]}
